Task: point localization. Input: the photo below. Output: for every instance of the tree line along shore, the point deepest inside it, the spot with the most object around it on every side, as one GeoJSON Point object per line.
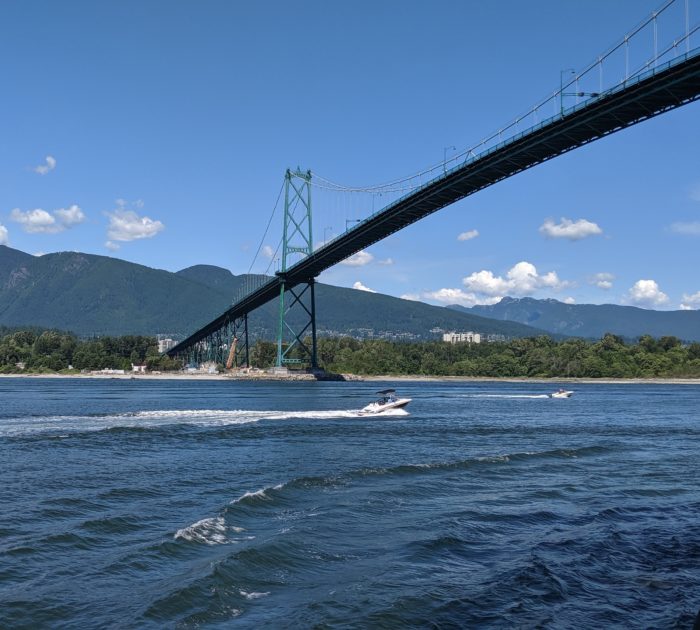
{"type": "Point", "coordinates": [44, 352]}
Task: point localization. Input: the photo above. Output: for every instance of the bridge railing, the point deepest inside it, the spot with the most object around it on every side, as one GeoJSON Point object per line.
{"type": "Point", "coordinates": [640, 52]}
{"type": "Point", "coordinates": [636, 56]}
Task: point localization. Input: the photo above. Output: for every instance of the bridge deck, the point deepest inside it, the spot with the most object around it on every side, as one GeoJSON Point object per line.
{"type": "Point", "coordinates": [647, 95]}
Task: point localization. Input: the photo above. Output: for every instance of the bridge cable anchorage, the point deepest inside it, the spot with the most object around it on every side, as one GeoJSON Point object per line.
{"type": "Point", "coordinates": [667, 80]}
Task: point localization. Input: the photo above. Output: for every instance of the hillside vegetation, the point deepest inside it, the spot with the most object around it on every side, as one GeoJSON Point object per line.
{"type": "Point", "coordinates": [97, 295]}
{"type": "Point", "coordinates": [610, 357]}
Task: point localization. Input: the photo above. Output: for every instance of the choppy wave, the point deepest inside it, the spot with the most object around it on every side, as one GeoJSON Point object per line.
{"type": "Point", "coordinates": [211, 531]}
{"type": "Point", "coordinates": [215, 530]}
{"type": "Point", "coordinates": [65, 425]}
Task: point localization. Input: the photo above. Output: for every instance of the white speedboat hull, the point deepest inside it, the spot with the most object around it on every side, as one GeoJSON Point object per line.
{"type": "Point", "coordinates": [564, 394]}
{"type": "Point", "coordinates": [376, 408]}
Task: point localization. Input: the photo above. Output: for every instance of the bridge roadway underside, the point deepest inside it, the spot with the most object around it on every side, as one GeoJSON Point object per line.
{"type": "Point", "coordinates": [666, 88]}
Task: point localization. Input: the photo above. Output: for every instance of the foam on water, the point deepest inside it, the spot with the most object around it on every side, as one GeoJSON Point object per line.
{"type": "Point", "coordinates": [152, 419]}
{"type": "Point", "coordinates": [250, 596]}
{"type": "Point", "coordinates": [210, 531]}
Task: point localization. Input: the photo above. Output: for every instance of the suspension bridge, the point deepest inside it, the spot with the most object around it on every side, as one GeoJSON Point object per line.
{"type": "Point", "coordinates": [641, 77]}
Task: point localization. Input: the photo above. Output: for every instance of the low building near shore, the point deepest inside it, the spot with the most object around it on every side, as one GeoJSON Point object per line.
{"type": "Point", "coordinates": [108, 371]}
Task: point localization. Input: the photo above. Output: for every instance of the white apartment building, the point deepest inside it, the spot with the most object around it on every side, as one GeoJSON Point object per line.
{"type": "Point", "coordinates": [165, 344]}
{"type": "Point", "coordinates": [461, 337]}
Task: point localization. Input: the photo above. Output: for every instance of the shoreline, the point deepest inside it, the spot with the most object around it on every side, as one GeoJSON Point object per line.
{"type": "Point", "coordinates": [369, 379]}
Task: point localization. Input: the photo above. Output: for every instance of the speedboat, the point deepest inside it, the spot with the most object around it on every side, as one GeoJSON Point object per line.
{"type": "Point", "coordinates": [387, 402]}
{"type": "Point", "coordinates": [561, 393]}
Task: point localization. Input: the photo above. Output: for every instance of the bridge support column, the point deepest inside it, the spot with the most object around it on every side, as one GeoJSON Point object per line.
{"type": "Point", "coordinates": [297, 240]}
{"type": "Point", "coordinates": [292, 343]}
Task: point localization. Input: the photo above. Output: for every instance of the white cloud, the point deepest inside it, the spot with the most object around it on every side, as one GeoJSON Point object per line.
{"type": "Point", "coordinates": [602, 280]}
{"type": "Point", "coordinates": [573, 230]}
{"type": "Point", "coordinates": [39, 221]}
{"type": "Point", "coordinates": [111, 246]}
{"type": "Point", "coordinates": [458, 296]}
{"type": "Point", "coordinates": [361, 287]}
{"type": "Point", "coordinates": [692, 228]}
{"type": "Point", "coordinates": [521, 279]}
{"type": "Point", "coordinates": [267, 251]}
{"type": "Point", "coordinates": [36, 221]}
{"type": "Point", "coordinates": [646, 293]}
{"type": "Point", "coordinates": [690, 302]}
{"type": "Point", "coordinates": [413, 297]}
{"type": "Point", "coordinates": [467, 236]}
{"type": "Point", "coordinates": [4, 235]}
{"type": "Point", "coordinates": [386, 261]}
{"type": "Point", "coordinates": [485, 282]}
{"type": "Point", "coordinates": [42, 169]}
{"type": "Point", "coordinates": [569, 300]}
{"type": "Point", "coordinates": [70, 216]}
{"type": "Point", "coordinates": [126, 225]}
{"type": "Point", "coordinates": [39, 254]}
{"type": "Point", "coordinates": [358, 260]}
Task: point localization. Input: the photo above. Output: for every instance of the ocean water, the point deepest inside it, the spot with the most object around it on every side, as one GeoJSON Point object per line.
{"type": "Point", "coordinates": [185, 504]}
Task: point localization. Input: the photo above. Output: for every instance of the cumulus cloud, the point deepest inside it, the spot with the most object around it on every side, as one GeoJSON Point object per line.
{"type": "Point", "coordinates": [361, 287]}
{"type": "Point", "coordinates": [691, 228]}
{"type": "Point", "coordinates": [127, 225]}
{"type": "Point", "coordinates": [43, 169]}
{"type": "Point", "coordinates": [36, 221]}
{"type": "Point", "coordinates": [4, 235]}
{"type": "Point", "coordinates": [521, 279]}
{"type": "Point", "coordinates": [70, 216]}
{"type": "Point", "coordinates": [602, 280]}
{"type": "Point", "coordinates": [39, 221]}
{"type": "Point", "coordinates": [646, 293]}
{"type": "Point", "coordinates": [468, 236]}
{"type": "Point", "coordinates": [573, 230]}
{"type": "Point", "coordinates": [413, 297]}
{"type": "Point", "coordinates": [386, 261]}
{"type": "Point", "coordinates": [360, 259]}
{"type": "Point", "coordinates": [267, 251]}
{"type": "Point", "coordinates": [112, 246]}
{"type": "Point", "coordinates": [690, 302]}
{"type": "Point", "coordinates": [569, 300]}
{"type": "Point", "coordinates": [458, 296]}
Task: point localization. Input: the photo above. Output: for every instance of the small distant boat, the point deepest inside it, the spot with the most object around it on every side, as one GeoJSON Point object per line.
{"type": "Point", "coordinates": [387, 402]}
{"type": "Point", "coordinates": [561, 393]}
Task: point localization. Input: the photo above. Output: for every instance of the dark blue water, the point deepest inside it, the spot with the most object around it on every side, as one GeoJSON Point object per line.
{"type": "Point", "coordinates": [134, 504]}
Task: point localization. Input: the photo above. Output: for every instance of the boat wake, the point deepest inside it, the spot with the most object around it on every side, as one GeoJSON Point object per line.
{"type": "Point", "coordinates": [506, 396]}
{"type": "Point", "coordinates": [65, 425]}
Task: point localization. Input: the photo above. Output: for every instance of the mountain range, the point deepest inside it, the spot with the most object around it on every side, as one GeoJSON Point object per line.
{"type": "Point", "coordinates": [591, 320]}
{"type": "Point", "coordinates": [99, 295]}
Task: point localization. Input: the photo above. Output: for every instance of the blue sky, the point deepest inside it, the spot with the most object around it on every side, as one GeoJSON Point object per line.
{"type": "Point", "coordinates": [159, 132]}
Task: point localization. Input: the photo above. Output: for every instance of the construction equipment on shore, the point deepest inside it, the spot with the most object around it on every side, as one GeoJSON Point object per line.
{"type": "Point", "coordinates": [232, 354]}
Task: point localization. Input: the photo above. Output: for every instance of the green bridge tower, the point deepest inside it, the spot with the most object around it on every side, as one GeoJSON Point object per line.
{"type": "Point", "coordinates": [297, 239]}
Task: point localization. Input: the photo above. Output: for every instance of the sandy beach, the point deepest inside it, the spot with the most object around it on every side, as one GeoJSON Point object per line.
{"type": "Point", "coordinates": [353, 377]}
